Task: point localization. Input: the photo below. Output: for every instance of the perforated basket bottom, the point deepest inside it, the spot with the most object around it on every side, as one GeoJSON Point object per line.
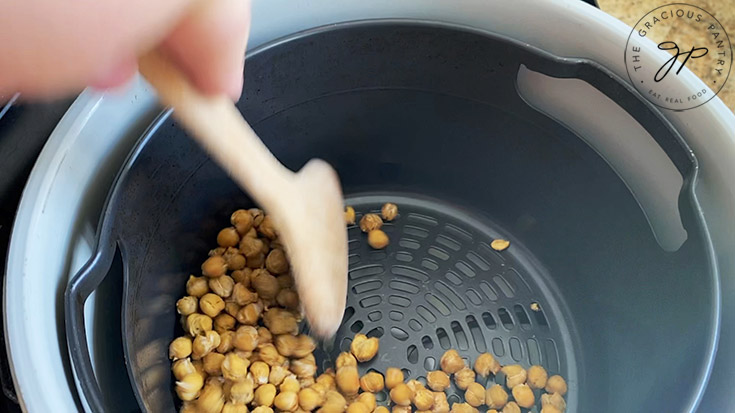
{"type": "Point", "coordinates": [440, 285]}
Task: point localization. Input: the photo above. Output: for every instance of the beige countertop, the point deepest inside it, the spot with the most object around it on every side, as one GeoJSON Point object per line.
{"type": "Point", "coordinates": [630, 11]}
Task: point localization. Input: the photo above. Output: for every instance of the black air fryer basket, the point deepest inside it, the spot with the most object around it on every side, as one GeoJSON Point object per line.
{"type": "Point", "coordinates": [429, 117]}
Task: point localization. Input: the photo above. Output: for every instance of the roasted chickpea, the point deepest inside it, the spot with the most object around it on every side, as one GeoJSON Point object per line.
{"type": "Point", "coordinates": [242, 391]}
{"type": "Point", "coordinates": [246, 338]}
{"type": "Point", "coordinates": [389, 211]}
{"type": "Point", "coordinates": [212, 363]}
{"type": "Point", "coordinates": [242, 276]}
{"type": "Point", "coordinates": [309, 399]}
{"type": "Point", "coordinates": [285, 281]}
{"type": "Point", "coordinates": [197, 286]}
{"type": "Point", "coordinates": [270, 355]}
{"type": "Point", "coordinates": [225, 343]}
{"type": "Point", "coordinates": [257, 262]}
{"type": "Point", "coordinates": [378, 239]}
{"type": "Point", "coordinates": [228, 237]}
{"type": "Point", "coordinates": [537, 377]}
{"type": "Point", "coordinates": [437, 380]}
{"type": "Point", "coordinates": [222, 286]}
{"type": "Point", "coordinates": [464, 377]}
{"type": "Point", "coordinates": [423, 399]}
{"type": "Point", "coordinates": [234, 408]}
{"type": "Point", "coordinates": [401, 394]}
{"type": "Point", "coordinates": [262, 409]}
{"type": "Point", "coordinates": [304, 367]}
{"type": "Point", "coordinates": [414, 385]}
{"type": "Point", "coordinates": [383, 409]}
{"type": "Point", "coordinates": [288, 298]}
{"type": "Point", "coordinates": [348, 380]}
{"type": "Point", "coordinates": [276, 262]}
{"type": "Point", "coordinates": [441, 405]}
{"type": "Point", "coordinates": [260, 372]}
{"type": "Point", "coordinates": [393, 377]}
{"type": "Point", "coordinates": [556, 384]}
{"type": "Point", "coordinates": [346, 359]}
{"type": "Point", "coordinates": [198, 324]}
{"type": "Point", "coordinates": [242, 221]}
{"type": "Point", "coordinates": [550, 409]}
{"type": "Point", "coordinates": [451, 362]}
{"type": "Point", "coordinates": [224, 322]}
{"type": "Point", "coordinates": [277, 374]}
{"type": "Point", "coordinates": [234, 260]}
{"type": "Point", "coordinates": [349, 215]}
{"type": "Point", "coordinates": [204, 344]}
{"type": "Point", "coordinates": [179, 348]}
{"type": "Point", "coordinates": [327, 379]}
{"type": "Point", "coordinates": [290, 383]}
{"type": "Point", "coordinates": [188, 388]}
{"type": "Point", "coordinates": [401, 409]}
{"type": "Point", "coordinates": [217, 251]}
{"type": "Point", "coordinates": [182, 368]}
{"type": "Point", "coordinates": [234, 367]}
{"type": "Point", "coordinates": [265, 284]}
{"type": "Point", "coordinates": [554, 400]}
{"type": "Point", "coordinates": [249, 314]}
{"type": "Point", "coordinates": [187, 305]}
{"type": "Point", "coordinates": [372, 382]}
{"type": "Point", "coordinates": [496, 397]}
{"type": "Point", "coordinates": [514, 375]}
{"type": "Point", "coordinates": [357, 407]}
{"type": "Point", "coordinates": [242, 295]}
{"type": "Point", "coordinates": [264, 336]}
{"type": "Point", "coordinates": [368, 399]}
{"type": "Point", "coordinates": [267, 228]}
{"type": "Point", "coordinates": [199, 367]}
{"type": "Point", "coordinates": [486, 364]}
{"type": "Point", "coordinates": [265, 394]}
{"type": "Point", "coordinates": [214, 267]}
{"type": "Point", "coordinates": [211, 304]}
{"type": "Point", "coordinates": [334, 403]}
{"type": "Point", "coordinates": [211, 399]}
{"type": "Point", "coordinates": [499, 244]}
{"type": "Point", "coordinates": [251, 247]}
{"type": "Point", "coordinates": [286, 401]}
{"type": "Point", "coordinates": [370, 222]}
{"type": "Point", "coordinates": [364, 348]}
{"type": "Point", "coordinates": [511, 407]}
{"type": "Point", "coordinates": [280, 321]}
{"type": "Point", "coordinates": [475, 395]}
{"type": "Point", "coordinates": [463, 408]}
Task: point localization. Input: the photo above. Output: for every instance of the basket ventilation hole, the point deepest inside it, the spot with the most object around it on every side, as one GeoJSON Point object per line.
{"type": "Point", "coordinates": [356, 326]}
{"type": "Point", "coordinates": [427, 343]}
{"type": "Point", "coordinates": [489, 321]}
{"type": "Point", "coordinates": [476, 333]}
{"type": "Point", "coordinates": [523, 319]}
{"type": "Point", "coordinates": [376, 332]}
{"type": "Point", "coordinates": [429, 363]}
{"type": "Point", "coordinates": [459, 336]}
{"type": "Point", "coordinates": [349, 312]}
{"type": "Point", "coordinates": [505, 318]}
{"type": "Point", "coordinates": [398, 333]}
{"type": "Point", "coordinates": [443, 338]}
{"type": "Point", "coordinates": [412, 354]}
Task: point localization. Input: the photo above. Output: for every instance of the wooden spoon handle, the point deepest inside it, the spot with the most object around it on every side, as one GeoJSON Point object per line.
{"type": "Point", "coordinates": [219, 127]}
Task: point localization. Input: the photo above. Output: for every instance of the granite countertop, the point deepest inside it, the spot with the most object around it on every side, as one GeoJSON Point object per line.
{"type": "Point", "coordinates": [630, 11]}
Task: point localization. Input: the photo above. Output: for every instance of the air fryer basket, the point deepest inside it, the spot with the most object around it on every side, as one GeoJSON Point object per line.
{"type": "Point", "coordinates": [428, 116]}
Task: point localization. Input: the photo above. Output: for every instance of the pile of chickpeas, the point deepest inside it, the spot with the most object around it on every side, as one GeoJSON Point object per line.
{"type": "Point", "coordinates": [371, 224]}
{"type": "Point", "coordinates": [242, 350]}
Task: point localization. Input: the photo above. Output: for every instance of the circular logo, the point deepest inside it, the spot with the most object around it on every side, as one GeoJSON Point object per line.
{"type": "Point", "coordinates": [672, 37]}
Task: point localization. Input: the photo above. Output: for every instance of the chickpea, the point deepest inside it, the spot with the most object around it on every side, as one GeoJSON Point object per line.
{"type": "Point", "coordinates": [224, 322]}
{"type": "Point", "coordinates": [496, 397]}
{"type": "Point", "coordinates": [286, 343]}
{"type": "Point", "coordinates": [246, 338]}
{"type": "Point", "coordinates": [232, 308]}
{"type": "Point", "coordinates": [242, 295]}
{"type": "Point", "coordinates": [383, 409]}
{"type": "Point", "coordinates": [277, 374]}
{"type": "Point", "coordinates": [264, 336]}
{"type": "Point", "coordinates": [265, 284]}
{"type": "Point", "coordinates": [188, 407]}
{"type": "Point", "coordinates": [511, 407]}
{"type": "Point", "coordinates": [205, 344]}
{"type": "Point", "coordinates": [197, 286]}
{"type": "Point", "coordinates": [451, 362]}
{"type": "Point", "coordinates": [415, 385]}
{"type": "Point", "coordinates": [464, 377]}
{"type": "Point", "coordinates": [550, 409]}
{"type": "Point", "coordinates": [242, 391]}
{"type": "Point", "coordinates": [251, 247]}
{"type": "Point", "coordinates": [199, 367]}
{"type": "Point", "coordinates": [214, 267]}
{"type": "Point", "coordinates": [372, 382]}
{"type": "Point", "coordinates": [346, 359]}
{"type": "Point", "coordinates": [556, 384]}
{"type": "Point", "coordinates": [234, 408]}
{"type": "Point", "coordinates": [267, 228]}
{"type": "Point", "coordinates": [378, 239]}
{"type": "Point", "coordinates": [234, 260]}
{"type": "Point", "coordinates": [486, 364]}
{"type": "Point", "coordinates": [368, 399]}
{"type": "Point", "coordinates": [554, 400]}
{"type": "Point", "coordinates": [280, 321]}
{"type": "Point", "coordinates": [514, 375]}
{"type": "Point", "coordinates": [393, 377]}
{"type": "Point", "coordinates": [348, 380]}
{"type": "Point", "coordinates": [257, 262]}
{"type": "Point", "coordinates": [423, 399]}
{"type": "Point", "coordinates": [222, 286]}
{"type": "Point", "coordinates": [225, 343]}
{"type": "Point", "coordinates": [364, 348]}
{"type": "Point", "coordinates": [211, 304]}
{"type": "Point", "coordinates": [216, 251]}
{"type": "Point", "coordinates": [228, 237]}
{"type": "Point", "coordinates": [441, 405]}
{"type": "Point", "coordinates": [334, 403]}
{"type": "Point", "coordinates": [179, 348]}
{"type": "Point", "coordinates": [349, 215]}
{"type": "Point", "coordinates": [211, 399]}
{"type": "Point", "coordinates": [309, 399]}
{"type": "Point", "coordinates": [270, 355]}
{"type": "Point", "coordinates": [401, 409]}
{"type": "Point", "coordinates": [234, 367]}
{"type": "Point", "coordinates": [250, 314]}
{"type": "Point", "coordinates": [400, 394]}
{"type": "Point", "coordinates": [276, 262]}
{"type": "Point", "coordinates": [463, 408]}
{"type": "Point", "coordinates": [290, 384]}
{"type": "Point", "coordinates": [285, 281]}
{"type": "Point", "coordinates": [475, 394]}
{"type": "Point", "coordinates": [437, 380]}
{"type": "Point", "coordinates": [181, 368]}
{"type": "Point", "coordinates": [188, 388]}
{"type": "Point", "coordinates": [537, 377]}
{"type": "Point", "coordinates": [389, 211]}
{"type": "Point", "coordinates": [212, 363]}
{"type": "Point", "coordinates": [370, 222]}
{"type": "Point", "coordinates": [286, 401]}
{"type": "Point", "coordinates": [260, 371]}
{"type": "Point", "coordinates": [304, 367]}
{"type": "Point", "coordinates": [499, 244]}
{"type": "Point", "coordinates": [357, 407]}
{"type": "Point", "coordinates": [265, 394]}
{"type": "Point", "coordinates": [262, 409]}
{"type": "Point", "coordinates": [187, 305]}
{"type": "Point", "coordinates": [242, 221]}
{"type": "Point", "coordinates": [242, 276]}
{"type": "Point", "coordinates": [287, 298]}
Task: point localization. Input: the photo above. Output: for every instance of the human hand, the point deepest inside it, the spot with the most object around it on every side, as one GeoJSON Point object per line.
{"type": "Point", "coordinates": [50, 48]}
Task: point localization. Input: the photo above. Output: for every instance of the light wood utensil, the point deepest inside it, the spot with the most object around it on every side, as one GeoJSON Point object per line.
{"type": "Point", "coordinates": [306, 207]}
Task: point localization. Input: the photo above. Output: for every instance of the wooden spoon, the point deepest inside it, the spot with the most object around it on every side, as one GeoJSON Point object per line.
{"type": "Point", "coordinates": [306, 207]}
